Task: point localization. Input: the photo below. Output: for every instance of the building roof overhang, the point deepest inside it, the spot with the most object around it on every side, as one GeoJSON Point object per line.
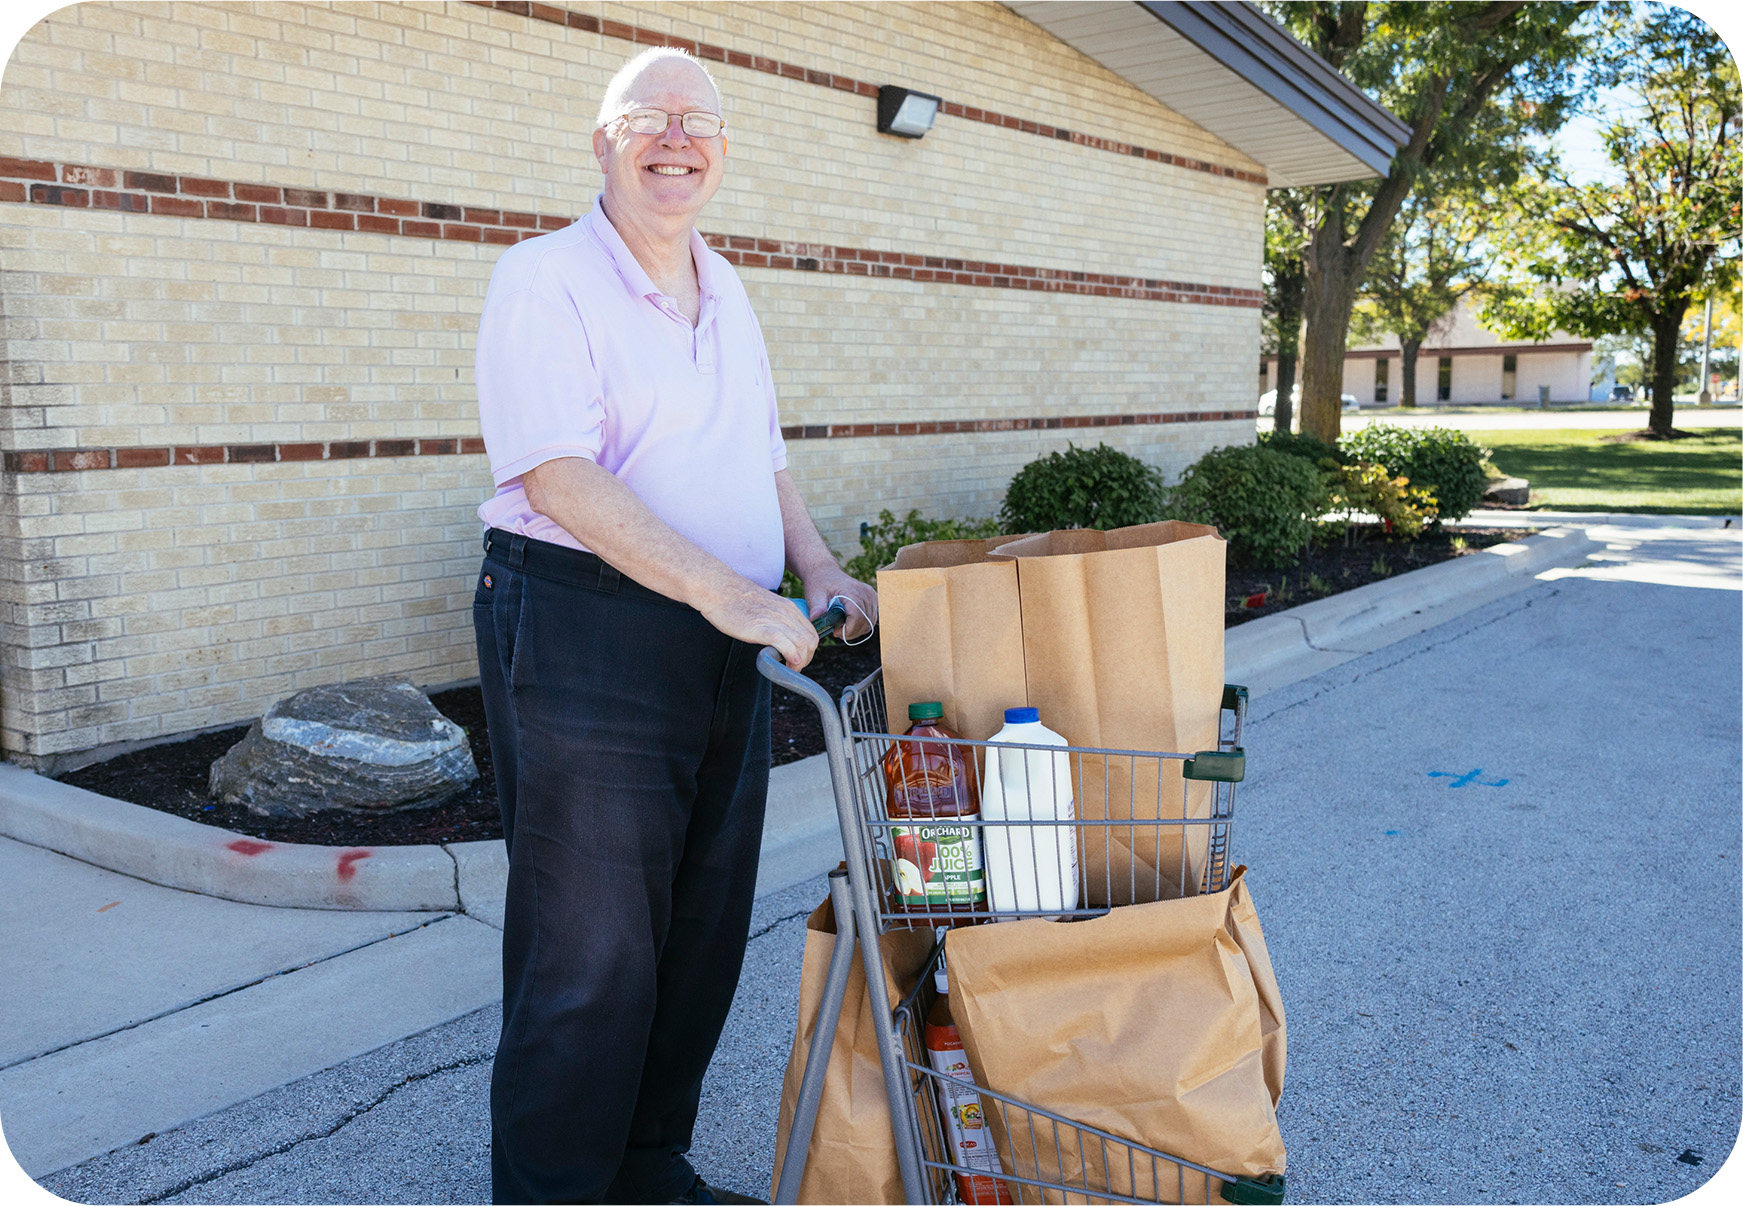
{"type": "Point", "coordinates": [1229, 68]}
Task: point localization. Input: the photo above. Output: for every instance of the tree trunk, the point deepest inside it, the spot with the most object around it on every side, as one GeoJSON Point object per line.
{"type": "Point", "coordinates": [1333, 276]}
{"type": "Point", "coordinates": [1407, 371]}
{"type": "Point", "coordinates": [1665, 328]}
{"type": "Point", "coordinates": [1289, 286]}
{"type": "Point", "coordinates": [1285, 391]}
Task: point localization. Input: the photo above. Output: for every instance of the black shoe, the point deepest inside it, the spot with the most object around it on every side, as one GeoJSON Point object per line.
{"type": "Point", "coordinates": [701, 1193]}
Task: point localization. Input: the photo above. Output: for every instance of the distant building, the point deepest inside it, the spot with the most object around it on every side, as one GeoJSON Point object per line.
{"type": "Point", "coordinates": [1465, 363]}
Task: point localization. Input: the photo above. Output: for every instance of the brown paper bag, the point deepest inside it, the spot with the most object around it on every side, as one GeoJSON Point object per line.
{"type": "Point", "coordinates": [1160, 1023]}
{"type": "Point", "coordinates": [953, 632]}
{"type": "Point", "coordinates": [1123, 649]}
{"type": "Point", "coordinates": [853, 1154]}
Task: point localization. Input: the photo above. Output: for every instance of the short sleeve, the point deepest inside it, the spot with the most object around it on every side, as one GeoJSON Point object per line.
{"type": "Point", "coordinates": [538, 389]}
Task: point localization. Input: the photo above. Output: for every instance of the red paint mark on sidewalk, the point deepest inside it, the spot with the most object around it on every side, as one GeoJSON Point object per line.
{"type": "Point", "coordinates": [348, 861]}
{"type": "Point", "coordinates": [108, 906]}
{"type": "Point", "coordinates": [248, 847]}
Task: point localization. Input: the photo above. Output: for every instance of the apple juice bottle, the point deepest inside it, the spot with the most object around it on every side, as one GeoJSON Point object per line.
{"type": "Point", "coordinates": [936, 850]}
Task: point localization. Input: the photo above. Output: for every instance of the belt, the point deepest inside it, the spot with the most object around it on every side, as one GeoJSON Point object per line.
{"type": "Point", "coordinates": [563, 564]}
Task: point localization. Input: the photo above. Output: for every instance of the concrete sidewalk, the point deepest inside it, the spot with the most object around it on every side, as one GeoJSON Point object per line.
{"type": "Point", "coordinates": [1555, 662]}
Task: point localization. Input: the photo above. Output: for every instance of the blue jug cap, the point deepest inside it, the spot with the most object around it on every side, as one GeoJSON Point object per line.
{"type": "Point", "coordinates": [1022, 716]}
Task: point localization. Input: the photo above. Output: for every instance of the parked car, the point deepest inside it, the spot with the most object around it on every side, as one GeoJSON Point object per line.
{"type": "Point", "coordinates": [1621, 393]}
{"type": "Point", "coordinates": [1268, 401]}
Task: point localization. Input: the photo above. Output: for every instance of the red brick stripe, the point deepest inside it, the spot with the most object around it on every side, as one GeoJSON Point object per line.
{"type": "Point", "coordinates": [746, 252]}
{"type": "Point", "coordinates": [850, 431]}
{"type": "Point", "coordinates": [72, 460]}
{"type": "Point", "coordinates": [83, 186]}
{"type": "Point", "coordinates": [823, 79]}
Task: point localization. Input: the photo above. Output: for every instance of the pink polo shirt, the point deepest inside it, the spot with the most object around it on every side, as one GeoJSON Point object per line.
{"type": "Point", "coordinates": [579, 354]}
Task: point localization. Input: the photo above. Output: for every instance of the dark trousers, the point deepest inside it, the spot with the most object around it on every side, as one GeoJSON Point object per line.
{"type": "Point", "coordinates": [631, 746]}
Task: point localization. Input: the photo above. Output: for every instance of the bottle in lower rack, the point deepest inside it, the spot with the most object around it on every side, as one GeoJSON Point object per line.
{"type": "Point", "coordinates": [959, 1106]}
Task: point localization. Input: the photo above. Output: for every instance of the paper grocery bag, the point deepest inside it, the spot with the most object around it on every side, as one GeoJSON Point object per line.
{"type": "Point", "coordinates": [1122, 637]}
{"type": "Point", "coordinates": [1160, 1023]}
{"type": "Point", "coordinates": [853, 1154]}
{"type": "Point", "coordinates": [953, 632]}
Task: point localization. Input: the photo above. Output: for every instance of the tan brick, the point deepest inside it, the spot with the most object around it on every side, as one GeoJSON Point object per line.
{"type": "Point", "coordinates": [198, 592]}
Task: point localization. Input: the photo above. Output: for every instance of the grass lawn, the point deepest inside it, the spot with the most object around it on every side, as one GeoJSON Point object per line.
{"type": "Point", "coordinates": [1576, 471]}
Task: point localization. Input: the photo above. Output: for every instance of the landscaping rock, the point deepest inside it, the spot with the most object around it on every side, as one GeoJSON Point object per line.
{"type": "Point", "coordinates": [363, 746]}
{"type": "Point", "coordinates": [1514, 491]}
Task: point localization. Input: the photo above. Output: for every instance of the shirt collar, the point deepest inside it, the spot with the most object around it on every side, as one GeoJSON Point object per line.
{"type": "Point", "coordinates": [630, 268]}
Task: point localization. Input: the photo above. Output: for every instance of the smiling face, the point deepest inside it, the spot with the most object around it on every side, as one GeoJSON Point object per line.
{"type": "Point", "coordinates": [661, 181]}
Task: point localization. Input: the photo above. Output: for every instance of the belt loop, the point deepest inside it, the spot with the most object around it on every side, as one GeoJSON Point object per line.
{"type": "Point", "coordinates": [517, 550]}
{"type": "Point", "coordinates": [608, 577]}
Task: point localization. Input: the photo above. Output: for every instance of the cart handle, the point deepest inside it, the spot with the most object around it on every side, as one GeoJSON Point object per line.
{"type": "Point", "coordinates": [774, 667]}
{"type": "Point", "coordinates": [771, 666]}
{"type": "Point", "coordinates": [830, 620]}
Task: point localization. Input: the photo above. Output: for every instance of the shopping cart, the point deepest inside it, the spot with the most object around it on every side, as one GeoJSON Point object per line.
{"type": "Point", "coordinates": [1147, 852]}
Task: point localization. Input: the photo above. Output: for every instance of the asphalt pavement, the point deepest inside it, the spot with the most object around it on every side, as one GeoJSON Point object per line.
{"type": "Point", "coordinates": [1497, 866]}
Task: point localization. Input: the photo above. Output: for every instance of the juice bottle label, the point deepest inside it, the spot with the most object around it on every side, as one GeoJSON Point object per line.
{"type": "Point", "coordinates": [965, 1128]}
{"type": "Point", "coordinates": [938, 864]}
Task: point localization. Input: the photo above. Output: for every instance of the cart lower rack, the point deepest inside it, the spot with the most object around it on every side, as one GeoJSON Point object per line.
{"type": "Point", "coordinates": [1150, 826]}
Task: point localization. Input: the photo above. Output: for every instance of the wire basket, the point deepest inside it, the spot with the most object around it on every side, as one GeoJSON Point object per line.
{"type": "Point", "coordinates": [1044, 1157]}
{"type": "Point", "coordinates": [1143, 826]}
{"type": "Point", "coordinates": [1147, 825]}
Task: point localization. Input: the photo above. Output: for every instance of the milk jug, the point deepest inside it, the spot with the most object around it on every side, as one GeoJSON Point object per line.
{"type": "Point", "coordinates": [1031, 868]}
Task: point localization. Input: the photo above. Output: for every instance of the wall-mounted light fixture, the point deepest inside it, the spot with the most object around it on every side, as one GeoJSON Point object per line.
{"type": "Point", "coordinates": [904, 112]}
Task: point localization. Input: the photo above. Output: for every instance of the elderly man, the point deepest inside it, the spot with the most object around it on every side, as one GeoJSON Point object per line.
{"type": "Point", "coordinates": [642, 517]}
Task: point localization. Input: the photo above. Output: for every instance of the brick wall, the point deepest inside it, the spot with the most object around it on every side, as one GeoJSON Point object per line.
{"type": "Point", "coordinates": [245, 248]}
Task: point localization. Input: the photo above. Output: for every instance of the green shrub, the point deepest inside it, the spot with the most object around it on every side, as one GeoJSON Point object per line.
{"type": "Point", "coordinates": [1308, 448]}
{"type": "Point", "coordinates": [1448, 464]}
{"type": "Point", "coordinates": [1262, 501]}
{"type": "Point", "coordinates": [879, 542]}
{"type": "Point", "coordinates": [1403, 507]}
{"type": "Point", "coordinates": [1096, 487]}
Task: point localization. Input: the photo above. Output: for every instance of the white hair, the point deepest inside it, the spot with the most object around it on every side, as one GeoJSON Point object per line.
{"type": "Point", "coordinates": [612, 106]}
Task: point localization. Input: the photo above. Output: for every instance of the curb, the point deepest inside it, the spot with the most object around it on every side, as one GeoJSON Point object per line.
{"type": "Point", "coordinates": [800, 839]}
{"type": "Point", "coordinates": [179, 853]}
{"type": "Point", "coordinates": [800, 836]}
{"type": "Point", "coordinates": [1339, 623]}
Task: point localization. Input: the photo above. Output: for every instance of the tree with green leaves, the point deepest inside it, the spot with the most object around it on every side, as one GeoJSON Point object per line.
{"type": "Point", "coordinates": [1441, 67]}
{"type": "Point", "coordinates": [1629, 252]}
{"type": "Point", "coordinates": [1435, 254]}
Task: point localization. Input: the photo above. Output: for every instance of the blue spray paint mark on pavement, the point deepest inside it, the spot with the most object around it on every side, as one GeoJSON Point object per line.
{"type": "Point", "coordinates": [1466, 779]}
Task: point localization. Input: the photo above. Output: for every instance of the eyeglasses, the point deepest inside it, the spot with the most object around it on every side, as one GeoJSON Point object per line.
{"type": "Point", "coordinates": [697, 124]}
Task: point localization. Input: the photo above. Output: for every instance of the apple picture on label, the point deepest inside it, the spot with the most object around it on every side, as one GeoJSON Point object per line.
{"type": "Point", "coordinates": [914, 863]}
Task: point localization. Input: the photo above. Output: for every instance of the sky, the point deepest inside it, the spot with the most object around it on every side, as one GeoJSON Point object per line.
{"type": "Point", "coordinates": [1581, 148]}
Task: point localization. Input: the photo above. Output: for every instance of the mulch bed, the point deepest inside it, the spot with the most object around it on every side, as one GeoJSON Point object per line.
{"type": "Point", "coordinates": [1333, 570]}
{"type": "Point", "coordinates": [172, 777]}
